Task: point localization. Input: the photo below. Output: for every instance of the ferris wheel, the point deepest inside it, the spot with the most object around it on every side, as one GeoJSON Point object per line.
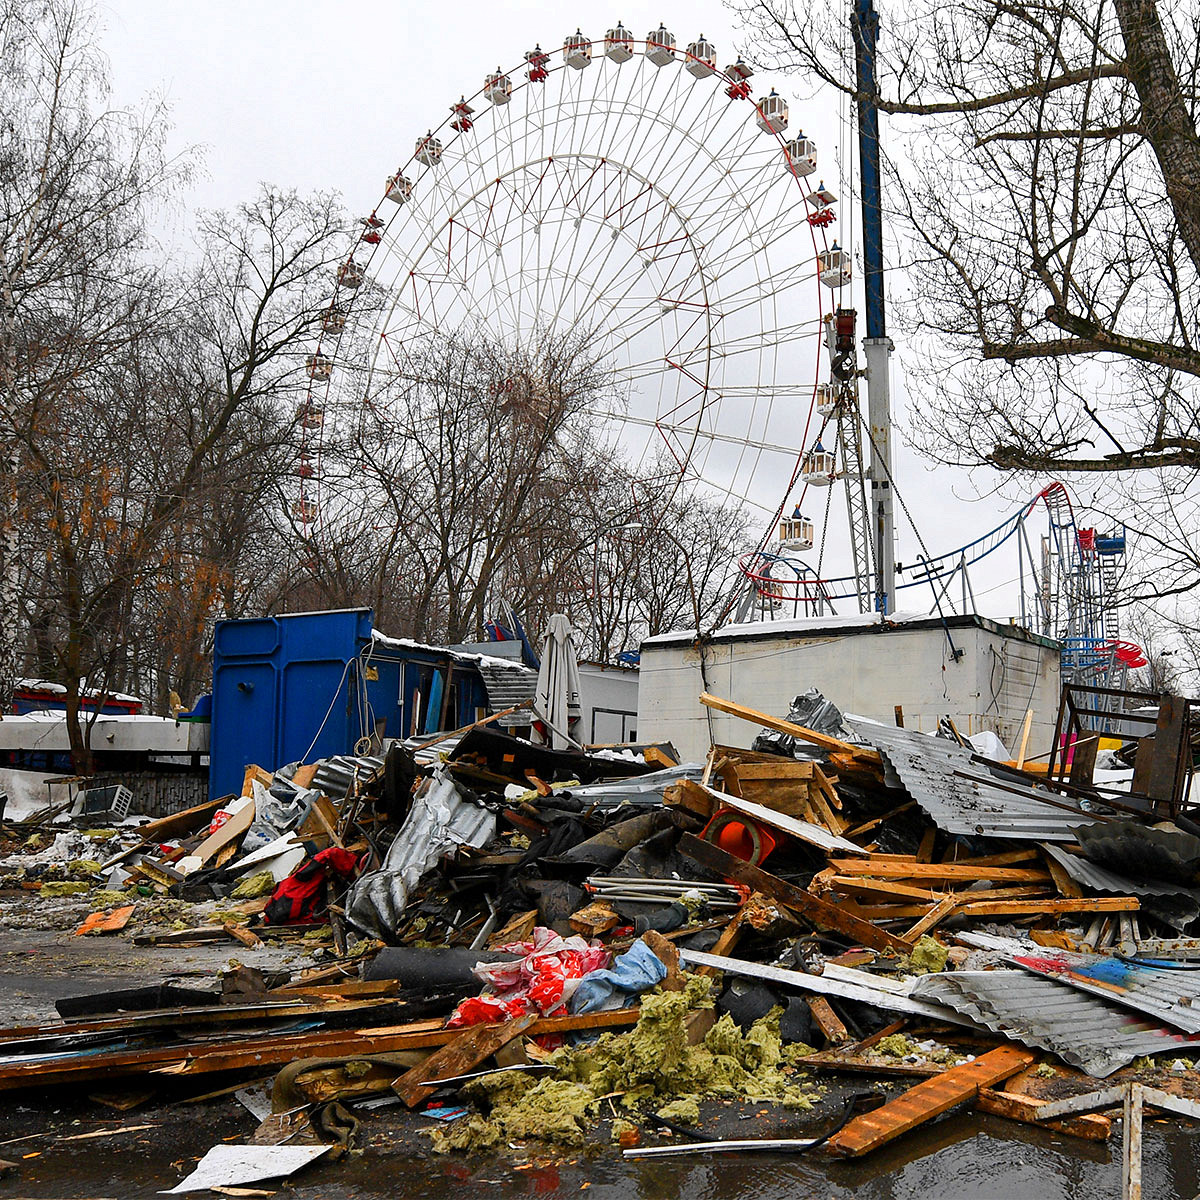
{"type": "Point", "coordinates": [633, 193]}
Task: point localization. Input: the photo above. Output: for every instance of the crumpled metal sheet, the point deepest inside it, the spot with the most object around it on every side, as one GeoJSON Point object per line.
{"type": "Point", "coordinates": [438, 821]}
{"type": "Point", "coordinates": [338, 774]}
{"type": "Point", "coordinates": [645, 790]}
{"type": "Point", "coordinates": [508, 684]}
{"type": "Point", "coordinates": [1160, 994]}
{"type": "Point", "coordinates": [1176, 905]}
{"type": "Point", "coordinates": [1170, 855]}
{"type": "Point", "coordinates": [1084, 1031]}
{"type": "Point", "coordinates": [926, 768]}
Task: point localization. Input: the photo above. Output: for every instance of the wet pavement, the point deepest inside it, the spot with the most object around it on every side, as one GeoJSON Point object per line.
{"type": "Point", "coordinates": [961, 1156]}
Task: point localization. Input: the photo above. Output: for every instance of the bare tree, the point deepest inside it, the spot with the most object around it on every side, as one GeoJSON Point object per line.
{"type": "Point", "coordinates": [146, 415]}
{"type": "Point", "coordinates": [1046, 162]}
{"type": "Point", "coordinates": [77, 289]}
{"type": "Point", "coordinates": [1042, 180]}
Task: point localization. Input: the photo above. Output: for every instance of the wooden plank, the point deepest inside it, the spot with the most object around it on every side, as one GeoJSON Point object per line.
{"type": "Point", "coordinates": [867, 826]}
{"type": "Point", "coordinates": [1026, 1109]}
{"type": "Point", "coordinates": [658, 757]}
{"type": "Point", "coordinates": [1028, 854]}
{"type": "Point", "coordinates": [464, 1053]}
{"type": "Point", "coordinates": [228, 834]}
{"type": "Point", "coordinates": [854, 1064]}
{"type": "Point", "coordinates": [925, 849]}
{"type": "Point", "coordinates": [1131, 1158]}
{"type": "Point", "coordinates": [693, 797]}
{"type": "Point", "coordinates": [305, 774]}
{"type": "Point", "coordinates": [730, 936]}
{"type": "Point", "coordinates": [1020, 908]}
{"type": "Point", "coordinates": [828, 1022]}
{"type": "Point", "coordinates": [270, 1050]}
{"type": "Point", "coordinates": [823, 740]}
{"type": "Point", "coordinates": [182, 823]}
{"type": "Point", "coordinates": [1067, 887]}
{"type": "Point", "coordinates": [105, 922]}
{"type": "Point", "coordinates": [927, 1100]}
{"type": "Point", "coordinates": [266, 778]}
{"type": "Point", "coordinates": [517, 930]}
{"type": "Point", "coordinates": [887, 912]}
{"type": "Point", "coordinates": [243, 934]}
{"type": "Point", "coordinates": [938, 913]}
{"type": "Point", "coordinates": [826, 785]}
{"type": "Point", "coordinates": [1024, 739]}
{"type": "Point", "coordinates": [948, 872]}
{"type": "Point", "coordinates": [881, 889]}
{"type": "Point", "coordinates": [779, 770]}
{"type": "Point", "coordinates": [820, 913]}
{"type": "Point", "coordinates": [1091, 1126]}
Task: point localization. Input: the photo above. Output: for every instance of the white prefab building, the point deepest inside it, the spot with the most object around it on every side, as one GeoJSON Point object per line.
{"type": "Point", "coordinates": [982, 674]}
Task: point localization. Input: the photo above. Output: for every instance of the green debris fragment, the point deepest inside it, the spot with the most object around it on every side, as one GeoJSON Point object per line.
{"type": "Point", "coordinates": [928, 956]}
{"type": "Point", "coordinates": [1045, 1071]}
{"type": "Point", "coordinates": [100, 835]}
{"type": "Point", "coordinates": [222, 916]}
{"type": "Point", "coordinates": [685, 1110]}
{"type": "Point", "coordinates": [110, 898]}
{"type": "Point", "coordinates": [622, 1127]}
{"type": "Point", "coordinates": [895, 1045]}
{"type": "Point", "coordinates": [470, 1133]}
{"type": "Point", "coordinates": [651, 1067]}
{"type": "Point", "coordinates": [56, 888]}
{"type": "Point", "coordinates": [84, 866]}
{"type": "Point", "coordinates": [254, 886]}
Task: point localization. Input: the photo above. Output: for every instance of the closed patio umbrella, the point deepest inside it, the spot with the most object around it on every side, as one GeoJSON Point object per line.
{"type": "Point", "coordinates": [557, 695]}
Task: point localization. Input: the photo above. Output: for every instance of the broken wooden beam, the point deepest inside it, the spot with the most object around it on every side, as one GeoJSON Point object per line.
{"type": "Point", "coordinates": [828, 1022]}
{"type": "Point", "coordinates": [822, 740]}
{"type": "Point", "coordinates": [928, 1099]}
{"type": "Point", "coordinates": [199, 1058]}
{"type": "Point", "coordinates": [463, 1053]}
{"type": "Point", "coordinates": [820, 913]}
{"type": "Point", "coordinates": [880, 867]}
{"type": "Point", "coordinates": [938, 913]}
{"type": "Point", "coordinates": [1027, 1110]}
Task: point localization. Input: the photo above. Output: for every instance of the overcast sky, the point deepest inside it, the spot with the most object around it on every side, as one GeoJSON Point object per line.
{"type": "Point", "coordinates": [331, 95]}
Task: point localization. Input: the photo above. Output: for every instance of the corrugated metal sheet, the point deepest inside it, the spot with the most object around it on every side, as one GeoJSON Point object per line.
{"type": "Point", "coordinates": [336, 775]}
{"type": "Point", "coordinates": [440, 819]}
{"type": "Point", "coordinates": [640, 789]}
{"type": "Point", "coordinates": [1160, 994]}
{"type": "Point", "coordinates": [926, 768]}
{"type": "Point", "coordinates": [1177, 906]}
{"type": "Point", "coordinates": [508, 684]}
{"type": "Point", "coordinates": [1083, 1030]}
{"type": "Point", "coordinates": [1128, 846]}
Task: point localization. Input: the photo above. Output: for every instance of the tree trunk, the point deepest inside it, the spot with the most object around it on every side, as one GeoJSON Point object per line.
{"type": "Point", "coordinates": [1165, 119]}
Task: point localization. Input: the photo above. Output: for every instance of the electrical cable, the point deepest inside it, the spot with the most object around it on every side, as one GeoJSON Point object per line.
{"type": "Point", "coordinates": [328, 712]}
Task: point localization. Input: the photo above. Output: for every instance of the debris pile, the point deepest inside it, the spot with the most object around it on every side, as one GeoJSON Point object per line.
{"type": "Point", "coordinates": [535, 945]}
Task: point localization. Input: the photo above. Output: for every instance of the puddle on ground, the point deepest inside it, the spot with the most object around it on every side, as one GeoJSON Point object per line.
{"type": "Point", "coordinates": [960, 1158]}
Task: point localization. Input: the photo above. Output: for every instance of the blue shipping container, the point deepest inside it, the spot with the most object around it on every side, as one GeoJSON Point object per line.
{"type": "Point", "coordinates": [303, 686]}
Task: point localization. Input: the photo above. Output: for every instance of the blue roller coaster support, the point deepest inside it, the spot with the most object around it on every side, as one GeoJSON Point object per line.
{"type": "Point", "coordinates": [877, 345]}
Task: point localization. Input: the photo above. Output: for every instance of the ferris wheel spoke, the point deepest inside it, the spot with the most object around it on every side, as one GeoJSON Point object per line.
{"type": "Point", "coordinates": [637, 209]}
